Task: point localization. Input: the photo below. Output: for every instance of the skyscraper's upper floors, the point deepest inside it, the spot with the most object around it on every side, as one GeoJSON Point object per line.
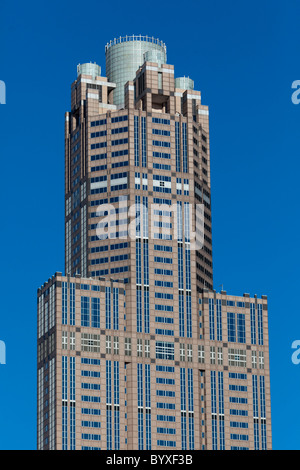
{"type": "Point", "coordinates": [153, 147]}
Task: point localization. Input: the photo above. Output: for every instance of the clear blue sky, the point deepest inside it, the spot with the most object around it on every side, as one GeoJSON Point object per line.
{"type": "Point", "coordinates": [243, 56]}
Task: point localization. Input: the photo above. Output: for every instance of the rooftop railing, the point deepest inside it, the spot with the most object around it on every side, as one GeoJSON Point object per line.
{"type": "Point", "coordinates": [137, 37]}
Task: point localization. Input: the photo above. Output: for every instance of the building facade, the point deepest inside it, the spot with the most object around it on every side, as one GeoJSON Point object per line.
{"type": "Point", "coordinates": [135, 348]}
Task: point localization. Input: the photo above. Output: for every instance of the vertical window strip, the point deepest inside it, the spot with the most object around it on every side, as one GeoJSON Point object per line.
{"type": "Point", "coordinates": [145, 217]}
{"type": "Point", "coordinates": [64, 303]}
{"type": "Point", "coordinates": [214, 433]}
{"type": "Point", "coordinates": [177, 146]}
{"type": "Point", "coordinates": [148, 405]}
{"type": "Point", "coordinates": [253, 323]}
{"type": "Point", "coordinates": [72, 405]}
{"type": "Point", "coordinates": [140, 385]}
{"type": "Point", "coordinates": [117, 428]}
{"type": "Point", "coordinates": [52, 306]}
{"type": "Point", "coordinates": [182, 389]}
{"type": "Point", "coordinates": [221, 392]}
{"type": "Point", "coordinates": [255, 412]}
{"type": "Point", "coordinates": [108, 406]}
{"type": "Point", "coordinates": [183, 408]}
{"type": "Point", "coordinates": [138, 252]}
{"type": "Point", "coordinates": [179, 221]}
{"type": "Point", "coordinates": [83, 229]}
{"type": "Point", "coordinates": [221, 410]}
{"type": "Point", "coordinates": [214, 410]}
{"type": "Point", "coordinates": [68, 246]}
{"type": "Point", "coordinates": [260, 325]}
{"type": "Point", "coordinates": [256, 434]}
{"type": "Point", "coordinates": [187, 227]}
{"type": "Point", "coordinates": [263, 412]}
{"type": "Point", "coordinates": [140, 429]}
{"type": "Point", "coordinates": [213, 392]}
{"type": "Point", "coordinates": [115, 308]}
{"type": "Point", "coordinates": [184, 148]}
{"type": "Point", "coordinates": [191, 409]}
{"type": "Point", "coordinates": [72, 378]}
{"type": "Point", "coordinates": [188, 284]}
{"type": "Point", "coordinates": [46, 316]}
{"type": "Point", "coordinates": [144, 143]}
{"type": "Point", "coordinates": [72, 303]}
{"type": "Point", "coordinates": [262, 397]}
{"type": "Point", "coordinates": [146, 311]}
{"type": "Point", "coordinates": [148, 429]}
{"type": "Point", "coordinates": [140, 406]}
{"type": "Point", "coordinates": [146, 262]}
{"type": "Point", "coordinates": [263, 435]}
{"type": "Point", "coordinates": [241, 331]}
{"type": "Point", "coordinates": [108, 308]}
{"type": "Point", "coordinates": [183, 431]}
{"type": "Point", "coordinates": [52, 414]}
{"type": "Point", "coordinates": [64, 378]}
{"type": "Point", "coordinates": [95, 312]}
{"type": "Point", "coordinates": [190, 390]}
{"type": "Point", "coordinates": [64, 427]}
{"type": "Point", "coordinates": [181, 315]}
{"type": "Point", "coordinates": [219, 319]}
{"type": "Point", "coordinates": [211, 319]}
{"type": "Point", "coordinates": [191, 432]}
{"type": "Point", "coordinates": [222, 432]}
{"type": "Point", "coordinates": [231, 327]}
{"type": "Point", "coordinates": [41, 315]}
{"type": "Point", "coordinates": [138, 216]}
{"type": "Point", "coordinates": [85, 311]}
{"type": "Point", "coordinates": [41, 408]}
{"type": "Point", "coordinates": [116, 405]}
{"type": "Point", "coordinates": [108, 428]}
{"type": "Point", "coordinates": [147, 386]}
{"type": "Point", "coordinates": [64, 403]}
{"type": "Point", "coordinates": [108, 383]}
{"type": "Point", "coordinates": [180, 266]}
{"type": "Point", "coordinates": [139, 322]}
{"type": "Point", "coordinates": [136, 141]}
{"type": "Point", "coordinates": [188, 316]}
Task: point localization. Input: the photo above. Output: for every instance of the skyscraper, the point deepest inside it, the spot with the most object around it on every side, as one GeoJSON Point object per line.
{"type": "Point", "coordinates": [135, 348]}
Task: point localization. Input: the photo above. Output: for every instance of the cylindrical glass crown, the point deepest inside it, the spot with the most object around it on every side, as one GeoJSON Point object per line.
{"type": "Point", "coordinates": [89, 69]}
{"type": "Point", "coordinates": [125, 55]}
{"type": "Point", "coordinates": [157, 57]}
{"type": "Point", "coordinates": [184, 83]}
